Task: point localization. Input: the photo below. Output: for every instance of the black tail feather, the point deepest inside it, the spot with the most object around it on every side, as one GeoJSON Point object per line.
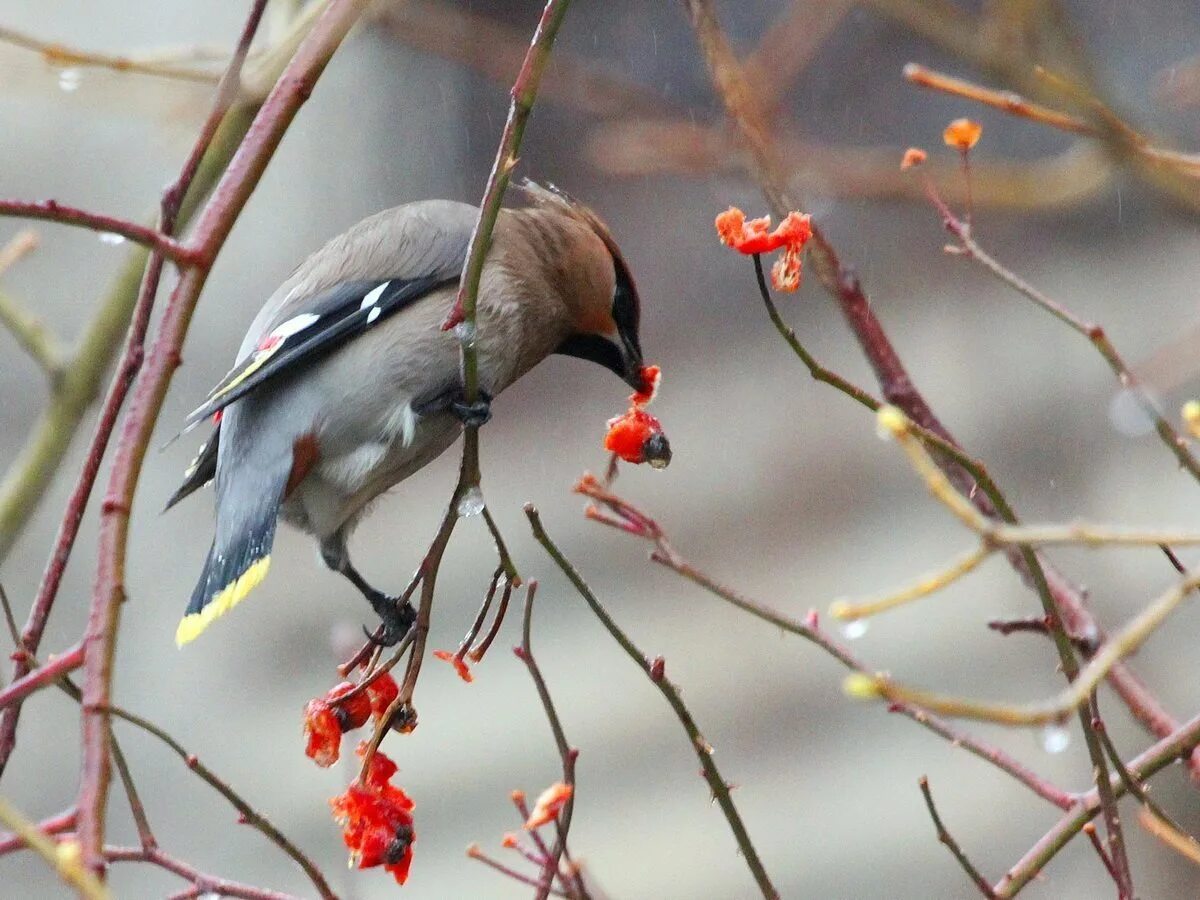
{"type": "Point", "coordinates": [202, 470]}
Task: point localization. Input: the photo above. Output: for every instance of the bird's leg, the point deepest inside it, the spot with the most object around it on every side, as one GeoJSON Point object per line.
{"type": "Point", "coordinates": [473, 414]}
{"type": "Point", "coordinates": [395, 613]}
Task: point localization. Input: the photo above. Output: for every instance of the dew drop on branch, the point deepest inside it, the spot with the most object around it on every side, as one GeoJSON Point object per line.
{"type": "Point", "coordinates": [111, 238]}
{"type": "Point", "coordinates": [465, 332]}
{"type": "Point", "coordinates": [471, 503]}
{"type": "Point", "coordinates": [855, 629]}
{"type": "Point", "coordinates": [69, 79]}
{"type": "Point", "coordinates": [1055, 738]}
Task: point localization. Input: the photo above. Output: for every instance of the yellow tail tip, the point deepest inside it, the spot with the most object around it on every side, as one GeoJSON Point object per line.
{"type": "Point", "coordinates": [224, 600]}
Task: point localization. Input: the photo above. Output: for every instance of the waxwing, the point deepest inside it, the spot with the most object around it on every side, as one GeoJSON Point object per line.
{"type": "Point", "coordinates": [346, 382]}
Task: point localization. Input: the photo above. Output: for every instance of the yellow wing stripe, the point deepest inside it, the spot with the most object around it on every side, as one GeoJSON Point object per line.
{"type": "Point", "coordinates": [230, 596]}
{"type": "Point", "coordinates": [235, 378]}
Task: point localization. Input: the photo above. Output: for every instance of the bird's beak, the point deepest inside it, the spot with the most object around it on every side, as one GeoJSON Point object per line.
{"type": "Point", "coordinates": [631, 359]}
{"type": "Point", "coordinates": [619, 353]}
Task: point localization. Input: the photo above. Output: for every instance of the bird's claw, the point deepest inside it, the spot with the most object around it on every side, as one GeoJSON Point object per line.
{"type": "Point", "coordinates": [473, 414]}
{"type": "Point", "coordinates": [396, 620]}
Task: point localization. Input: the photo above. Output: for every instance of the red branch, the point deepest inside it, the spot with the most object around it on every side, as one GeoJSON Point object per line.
{"type": "Point", "coordinates": [294, 87]}
{"type": "Point", "coordinates": [202, 883]}
{"type": "Point", "coordinates": [126, 370]}
{"type": "Point", "coordinates": [64, 821]}
{"type": "Point", "coordinates": [53, 211]}
{"type": "Point", "coordinates": [40, 678]}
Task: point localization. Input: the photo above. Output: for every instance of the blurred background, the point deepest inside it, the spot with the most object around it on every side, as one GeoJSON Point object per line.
{"type": "Point", "coordinates": [778, 485]}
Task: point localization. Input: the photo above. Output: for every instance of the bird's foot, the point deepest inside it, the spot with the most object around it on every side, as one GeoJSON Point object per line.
{"type": "Point", "coordinates": [396, 619]}
{"type": "Point", "coordinates": [473, 414]}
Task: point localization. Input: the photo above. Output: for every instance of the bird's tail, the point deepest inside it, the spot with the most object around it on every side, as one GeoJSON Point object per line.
{"type": "Point", "coordinates": [241, 553]}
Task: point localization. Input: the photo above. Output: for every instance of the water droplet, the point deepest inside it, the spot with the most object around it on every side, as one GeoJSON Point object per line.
{"type": "Point", "coordinates": [111, 238]}
{"type": "Point", "coordinates": [852, 631]}
{"type": "Point", "coordinates": [1055, 739]}
{"type": "Point", "coordinates": [465, 332]}
{"type": "Point", "coordinates": [68, 80]}
{"type": "Point", "coordinates": [471, 503]}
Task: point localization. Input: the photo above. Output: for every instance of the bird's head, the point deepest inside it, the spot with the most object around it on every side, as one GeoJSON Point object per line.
{"type": "Point", "coordinates": [602, 299]}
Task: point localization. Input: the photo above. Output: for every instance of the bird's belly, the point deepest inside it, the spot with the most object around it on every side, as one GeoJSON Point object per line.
{"type": "Point", "coordinates": [342, 484]}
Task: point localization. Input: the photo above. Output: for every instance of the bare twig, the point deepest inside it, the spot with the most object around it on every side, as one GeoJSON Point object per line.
{"type": "Point", "coordinates": [215, 223]}
{"type": "Point", "coordinates": [567, 753]}
{"type": "Point", "coordinates": [63, 858]}
{"type": "Point", "coordinates": [951, 844]}
{"type": "Point", "coordinates": [1075, 696]}
{"type": "Point", "coordinates": [202, 882]}
{"type": "Point", "coordinates": [635, 522]}
{"type": "Point", "coordinates": [1177, 745]}
{"type": "Point", "coordinates": [61, 55]}
{"type": "Point", "coordinates": [1015, 104]}
{"type": "Point", "coordinates": [64, 821]}
{"type": "Point", "coordinates": [476, 852]}
{"type": "Point", "coordinates": [53, 211]}
{"type": "Point", "coordinates": [656, 673]}
{"type": "Point", "coordinates": [1175, 838]}
{"type": "Point", "coordinates": [1094, 333]}
{"type": "Point", "coordinates": [247, 813]}
{"type": "Point", "coordinates": [462, 316]}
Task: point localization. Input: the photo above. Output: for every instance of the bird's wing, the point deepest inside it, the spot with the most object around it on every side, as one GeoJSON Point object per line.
{"type": "Point", "coordinates": [330, 319]}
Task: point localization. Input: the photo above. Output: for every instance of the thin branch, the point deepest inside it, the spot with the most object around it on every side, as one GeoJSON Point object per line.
{"type": "Point", "coordinates": [1175, 746]}
{"type": "Point", "coordinates": [137, 809]}
{"type": "Point", "coordinates": [64, 821]}
{"type": "Point", "coordinates": [1076, 694]}
{"type": "Point", "coordinates": [63, 858]}
{"type": "Point", "coordinates": [201, 881]}
{"type": "Point", "coordinates": [636, 522]}
{"type": "Point", "coordinates": [1005, 101]}
{"type": "Point", "coordinates": [1090, 830]}
{"type": "Point", "coordinates": [476, 853]}
{"type": "Point", "coordinates": [213, 227]}
{"type": "Point", "coordinates": [655, 672]}
{"type": "Point", "coordinates": [1086, 644]}
{"type": "Point", "coordinates": [247, 813]}
{"type": "Point", "coordinates": [961, 566]}
{"type": "Point", "coordinates": [1095, 334]}
{"type": "Point", "coordinates": [1179, 841]}
{"type": "Point", "coordinates": [1015, 104]}
{"type": "Point", "coordinates": [896, 424]}
{"type": "Point", "coordinates": [951, 844]}
{"type": "Point", "coordinates": [37, 679]}
{"type": "Point", "coordinates": [462, 317]}
{"type": "Point", "coordinates": [566, 753]}
{"type": "Point", "coordinates": [32, 335]}
{"type": "Point", "coordinates": [28, 330]}
{"type": "Point", "coordinates": [57, 54]}
{"type": "Point", "coordinates": [53, 211]}
{"type": "Point", "coordinates": [524, 93]}
{"type": "Point", "coordinates": [1131, 784]}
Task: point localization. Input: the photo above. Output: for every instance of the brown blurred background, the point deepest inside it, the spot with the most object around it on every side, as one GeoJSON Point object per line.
{"type": "Point", "coordinates": [778, 484]}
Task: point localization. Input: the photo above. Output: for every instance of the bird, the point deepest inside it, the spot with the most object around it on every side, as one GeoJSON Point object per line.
{"type": "Point", "coordinates": [346, 382]}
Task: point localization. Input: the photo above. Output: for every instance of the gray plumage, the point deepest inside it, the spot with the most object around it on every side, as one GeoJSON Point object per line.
{"type": "Point", "coordinates": [346, 382]}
